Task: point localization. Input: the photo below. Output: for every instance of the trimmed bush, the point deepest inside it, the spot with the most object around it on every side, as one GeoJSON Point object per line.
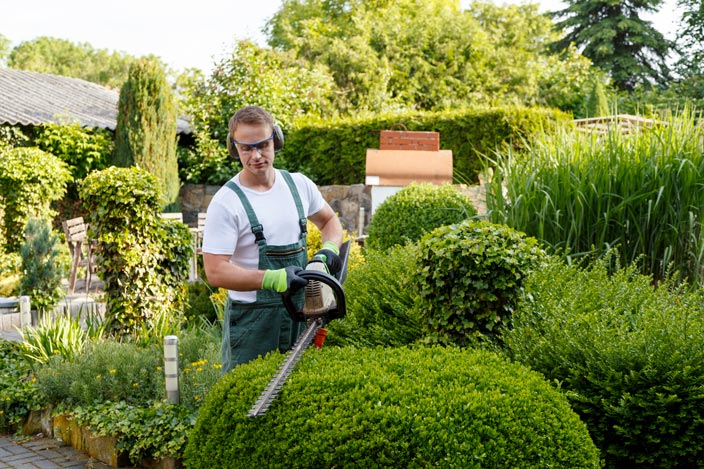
{"type": "Point", "coordinates": [379, 302]}
{"type": "Point", "coordinates": [629, 356]}
{"type": "Point", "coordinates": [411, 408]}
{"type": "Point", "coordinates": [469, 278]}
{"type": "Point", "coordinates": [415, 210]}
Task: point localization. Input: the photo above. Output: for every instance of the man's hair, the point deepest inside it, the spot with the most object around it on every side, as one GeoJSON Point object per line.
{"type": "Point", "coordinates": [251, 115]}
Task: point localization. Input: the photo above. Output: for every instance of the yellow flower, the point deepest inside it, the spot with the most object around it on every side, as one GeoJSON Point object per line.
{"type": "Point", "coordinates": [8, 399]}
{"type": "Point", "coordinates": [199, 369]}
{"type": "Point", "coordinates": [34, 379]}
{"type": "Point", "coordinates": [158, 368]}
{"type": "Point", "coordinates": [2, 412]}
{"type": "Point", "coordinates": [112, 372]}
{"type": "Point", "coordinates": [197, 398]}
{"type": "Point", "coordinates": [217, 366]}
{"type": "Point", "coordinates": [135, 385]}
{"type": "Point", "coordinates": [99, 377]}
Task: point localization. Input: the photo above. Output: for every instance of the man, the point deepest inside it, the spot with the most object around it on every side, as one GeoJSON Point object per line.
{"type": "Point", "coordinates": [254, 240]}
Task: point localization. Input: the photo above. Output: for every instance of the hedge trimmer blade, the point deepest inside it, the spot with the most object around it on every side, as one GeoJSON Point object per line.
{"type": "Point", "coordinates": [292, 357]}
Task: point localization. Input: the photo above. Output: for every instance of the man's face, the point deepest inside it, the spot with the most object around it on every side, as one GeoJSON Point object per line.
{"type": "Point", "coordinates": [255, 145]}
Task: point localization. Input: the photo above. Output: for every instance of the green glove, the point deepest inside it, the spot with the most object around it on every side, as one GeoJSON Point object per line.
{"type": "Point", "coordinates": [330, 255]}
{"type": "Point", "coordinates": [283, 280]}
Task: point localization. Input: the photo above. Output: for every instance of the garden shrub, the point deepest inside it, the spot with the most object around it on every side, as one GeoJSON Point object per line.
{"type": "Point", "coordinates": [379, 302]}
{"type": "Point", "coordinates": [83, 149]}
{"type": "Point", "coordinates": [30, 180]}
{"type": "Point", "coordinates": [629, 356]}
{"type": "Point", "coordinates": [469, 277]}
{"type": "Point", "coordinates": [104, 371]}
{"type": "Point", "coordinates": [142, 258]}
{"type": "Point", "coordinates": [18, 393]}
{"type": "Point", "coordinates": [45, 262]}
{"type": "Point", "coordinates": [390, 407]}
{"type": "Point", "coordinates": [415, 210]}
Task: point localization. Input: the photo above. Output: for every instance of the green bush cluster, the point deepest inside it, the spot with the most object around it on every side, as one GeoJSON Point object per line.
{"type": "Point", "coordinates": [142, 259]}
{"type": "Point", "coordinates": [390, 407]}
{"type": "Point", "coordinates": [630, 358]}
{"type": "Point", "coordinates": [469, 278]}
{"type": "Point", "coordinates": [104, 371]}
{"type": "Point", "coordinates": [414, 211]}
{"type": "Point", "coordinates": [18, 393]}
{"type": "Point", "coordinates": [334, 151]}
{"type": "Point", "coordinates": [380, 298]}
{"type": "Point", "coordinates": [30, 180]}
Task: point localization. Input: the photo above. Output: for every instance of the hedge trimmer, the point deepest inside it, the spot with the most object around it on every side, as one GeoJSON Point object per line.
{"type": "Point", "coordinates": [324, 301]}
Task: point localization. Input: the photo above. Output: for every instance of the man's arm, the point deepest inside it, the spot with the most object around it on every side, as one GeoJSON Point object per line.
{"type": "Point", "coordinates": [329, 225]}
{"type": "Point", "coordinates": [222, 273]}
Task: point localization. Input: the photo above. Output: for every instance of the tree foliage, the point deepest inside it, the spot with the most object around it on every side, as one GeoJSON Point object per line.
{"type": "Point", "coordinates": [428, 55]}
{"type": "Point", "coordinates": [690, 38]}
{"type": "Point", "coordinates": [145, 135]}
{"type": "Point", "coordinates": [77, 60]}
{"type": "Point", "coordinates": [613, 35]}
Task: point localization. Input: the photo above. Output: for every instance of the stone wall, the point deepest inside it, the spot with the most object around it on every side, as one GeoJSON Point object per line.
{"type": "Point", "coordinates": [346, 201]}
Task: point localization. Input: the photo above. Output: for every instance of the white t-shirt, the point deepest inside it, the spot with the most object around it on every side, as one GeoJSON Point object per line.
{"type": "Point", "coordinates": [228, 231]}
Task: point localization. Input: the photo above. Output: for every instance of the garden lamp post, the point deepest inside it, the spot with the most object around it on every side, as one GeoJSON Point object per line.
{"type": "Point", "coordinates": [171, 368]}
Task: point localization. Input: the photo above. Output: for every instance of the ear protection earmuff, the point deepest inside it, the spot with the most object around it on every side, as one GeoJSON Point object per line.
{"type": "Point", "coordinates": [278, 142]}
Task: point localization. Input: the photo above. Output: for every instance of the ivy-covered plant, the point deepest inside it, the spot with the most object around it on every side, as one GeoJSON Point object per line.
{"type": "Point", "coordinates": [142, 258]}
{"type": "Point", "coordinates": [414, 211]}
{"type": "Point", "coordinates": [30, 180]}
{"type": "Point", "coordinates": [469, 278]}
{"type": "Point", "coordinates": [44, 265]}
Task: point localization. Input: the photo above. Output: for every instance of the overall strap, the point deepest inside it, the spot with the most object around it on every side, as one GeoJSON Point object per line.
{"type": "Point", "coordinates": [297, 199]}
{"type": "Point", "coordinates": [257, 228]}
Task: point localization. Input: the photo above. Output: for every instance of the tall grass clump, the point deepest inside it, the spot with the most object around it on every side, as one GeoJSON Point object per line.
{"type": "Point", "coordinates": [585, 192]}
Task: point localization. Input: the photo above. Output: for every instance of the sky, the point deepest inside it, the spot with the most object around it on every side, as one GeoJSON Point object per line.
{"type": "Point", "coordinates": [183, 34]}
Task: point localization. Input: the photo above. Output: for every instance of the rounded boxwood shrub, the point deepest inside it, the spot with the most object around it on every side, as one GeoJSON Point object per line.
{"type": "Point", "coordinates": [400, 407]}
{"type": "Point", "coordinates": [415, 210]}
{"type": "Point", "coordinates": [469, 278]}
{"type": "Point", "coordinates": [629, 356]}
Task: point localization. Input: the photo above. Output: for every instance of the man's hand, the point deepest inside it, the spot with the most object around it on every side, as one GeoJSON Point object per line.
{"type": "Point", "coordinates": [283, 280]}
{"type": "Point", "coordinates": [330, 254]}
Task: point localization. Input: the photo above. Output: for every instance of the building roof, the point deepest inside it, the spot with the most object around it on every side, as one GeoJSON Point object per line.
{"type": "Point", "coordinates": [31, 98]}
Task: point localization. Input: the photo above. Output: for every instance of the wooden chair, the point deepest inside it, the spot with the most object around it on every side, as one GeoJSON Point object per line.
{"type": "Point", "coordinates": [178, 216]}
{"type": "Point", "coordinates": [197, 233]}
{"type": "Point", "coordinates": [79, 245]}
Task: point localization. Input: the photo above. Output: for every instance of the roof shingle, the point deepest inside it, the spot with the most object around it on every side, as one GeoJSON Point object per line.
{"type": "Point", "coordinates": [31, 98]}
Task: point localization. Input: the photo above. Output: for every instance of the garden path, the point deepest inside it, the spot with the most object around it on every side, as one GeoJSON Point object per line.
{"type": "Point", "coordinates": [45, 453]}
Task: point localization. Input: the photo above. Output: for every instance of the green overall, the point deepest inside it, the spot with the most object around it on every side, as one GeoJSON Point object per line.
{"type": "Point", "coordinates": [254, 329]}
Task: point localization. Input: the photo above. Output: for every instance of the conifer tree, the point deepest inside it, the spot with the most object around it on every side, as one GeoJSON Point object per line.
{"type": "Point", "coordinates": [616, 39]}
{"type": "Point", "coordinates": [146, 127]}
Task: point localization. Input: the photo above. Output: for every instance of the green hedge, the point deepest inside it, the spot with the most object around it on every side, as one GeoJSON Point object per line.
{"type": "Point", "coordinates": [629, 356]}
{"type": "Point", "coordinates": [334, 151]}
{"type": "Point", "coordinates": [410, 408]}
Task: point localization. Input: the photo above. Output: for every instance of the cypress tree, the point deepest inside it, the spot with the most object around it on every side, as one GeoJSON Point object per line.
{"type": "Point", "coordinates": [145, 136]}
